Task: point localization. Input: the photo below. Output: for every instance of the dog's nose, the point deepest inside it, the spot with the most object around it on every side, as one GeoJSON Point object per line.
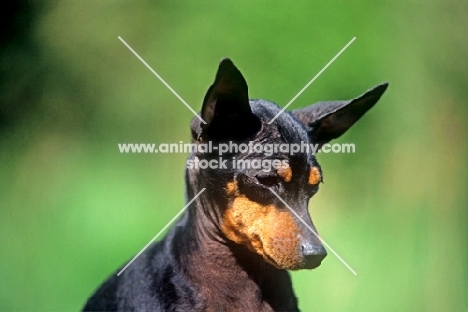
{"type": "Point", "coordinates": [313, 254]}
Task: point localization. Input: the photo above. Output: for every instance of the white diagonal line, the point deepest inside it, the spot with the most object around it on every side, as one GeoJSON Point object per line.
{"type": "Point", "coordinates": [313, 79]}
{"type": "Point", "coordinates": [315, 233]}
{"type": "Point", "coordinates": [162, 80]}
{"type": "Point", "coordinates": [163, 229]}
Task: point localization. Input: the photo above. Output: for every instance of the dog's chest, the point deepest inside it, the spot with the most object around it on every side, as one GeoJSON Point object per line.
{"type": "Point", "coordinates": [234, 301]}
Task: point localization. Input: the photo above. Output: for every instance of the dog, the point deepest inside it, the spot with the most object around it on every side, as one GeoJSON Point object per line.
{"type": "Point", "coordinates": [231, 249]}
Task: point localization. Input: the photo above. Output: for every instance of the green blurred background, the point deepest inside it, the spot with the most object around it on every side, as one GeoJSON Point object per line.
{"type": "Point", "coordinates": [73, 209]}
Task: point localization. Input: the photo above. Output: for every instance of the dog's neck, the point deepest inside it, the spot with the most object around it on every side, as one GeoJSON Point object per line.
{"type": "Point", "coordinates": [220, 269]}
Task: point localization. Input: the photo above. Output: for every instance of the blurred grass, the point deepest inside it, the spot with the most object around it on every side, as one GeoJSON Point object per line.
{"type": "Point", "coordinates": [73, 209]}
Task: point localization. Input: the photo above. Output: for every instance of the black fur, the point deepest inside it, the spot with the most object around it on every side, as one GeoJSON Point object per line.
{"type": "Point", "coordinates": [196, 267]}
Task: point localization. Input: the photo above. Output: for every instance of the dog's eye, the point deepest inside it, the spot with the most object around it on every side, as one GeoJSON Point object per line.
{"type": "Point", "coordinates": [268, 181]}
{"type": "Point", "coordinates": [314, 189]}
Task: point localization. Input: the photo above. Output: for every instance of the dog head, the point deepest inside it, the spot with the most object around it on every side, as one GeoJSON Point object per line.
{"type": "Point", "coordinates": [257, 191]}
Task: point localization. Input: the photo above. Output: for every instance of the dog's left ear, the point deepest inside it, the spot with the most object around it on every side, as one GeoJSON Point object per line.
{"type": "Point", "coordinates": [326, 121]}
{"type": "Point", "coordinates": [226, 109]}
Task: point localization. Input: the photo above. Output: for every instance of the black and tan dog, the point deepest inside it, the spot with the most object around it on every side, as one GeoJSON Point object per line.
{"type": "Point", "coordinates": [232, 248]}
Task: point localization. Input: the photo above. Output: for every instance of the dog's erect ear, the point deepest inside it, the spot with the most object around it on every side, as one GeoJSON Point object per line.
{"type": "Point", "coordinates": [326, 121]}
{"type": "Point", "coordinates": [226, 108]}
{"type": "Point", "coordinates": [229, 93]}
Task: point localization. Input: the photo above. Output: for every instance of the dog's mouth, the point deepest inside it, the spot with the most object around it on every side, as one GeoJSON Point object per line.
{"type": "Point", "coordinates": [302, 262]}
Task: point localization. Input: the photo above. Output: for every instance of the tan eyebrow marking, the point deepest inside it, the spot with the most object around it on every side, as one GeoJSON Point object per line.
{"type": "Point", "coordinates": [285, 173]}
{"type": "Point", "coordinates": [314, 176]}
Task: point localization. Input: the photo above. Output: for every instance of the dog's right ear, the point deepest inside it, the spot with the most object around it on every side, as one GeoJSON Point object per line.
{"type": "Point", "coordinates": [226, 109]}
{"type": "Point", "coordinates": [326, 121]}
